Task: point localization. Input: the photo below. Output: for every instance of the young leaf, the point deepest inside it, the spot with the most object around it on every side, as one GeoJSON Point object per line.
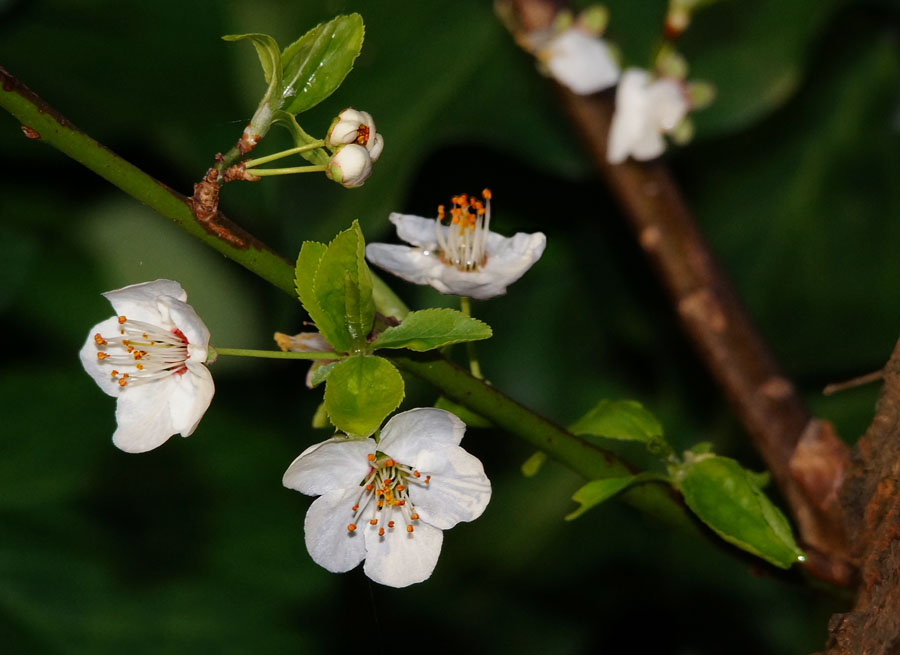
{"type": "Point", "coordinates": [626, 420]}
{"type": "Point", "coordinates": [270, 59]}
{"type": "Point", "coordinates": [432, 328]}
{"type": "Point", "coordinates": [360, 392]}
{"type": "Point", "coordinates": [316, 63]}
{"type": "Point", "coordinates": [596, 491]}
{"type": "Point", "coordinates": [343, 289]}
{"type": "Point", "coordinates": [533, 464]}
{"type": "Point", "coordinates": [728, 499]}
{"type": "Point", "coordinates": [305, 273]}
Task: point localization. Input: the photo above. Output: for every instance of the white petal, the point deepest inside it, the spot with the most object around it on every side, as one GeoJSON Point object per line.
{"type": "Point", "coordinates": [669, 103]}
{"type": "Point", "coordinates": [581, 62]}
{"type": "Point", "coordinates": [328, 541]}
{"type": "Point", "coordinates": [507, 260]}
{"type": "Point", "coordinates": [415, 230]}
{"type": "Point", "coordinates": [143, 415]}
{"type": "Point", "coordinates": [401, 558]}
{"type": "Point", "coordinates": [138, 301]}
{"type": "Point", "coordinates": [97, 369]}
{"type": "Point", "coordinates": [191, 325]}
{"type": "Point", "coordinates": [375, 146]}
{"type": "Point", "coordinates": [193, 393]}
{"type": "Point", "coordinates": [411, 264]}
{"type": "Point", "coordinates": [458, 491]}
{"type": "Point", "coordinates": [338, 463]}
{"type": "Point", "coordinates": [408, 433]}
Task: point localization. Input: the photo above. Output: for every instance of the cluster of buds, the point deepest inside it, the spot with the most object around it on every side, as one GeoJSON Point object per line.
{"type": "Point", "coordinates": [357, 146]}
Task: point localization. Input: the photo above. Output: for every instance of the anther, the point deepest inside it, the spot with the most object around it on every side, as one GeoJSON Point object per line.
{"type": "Point", "coordinates": [380, 532]}
{"type": "Point", "coordinates": [122, 320]}
{"type": "Point", "coordinates": [486, 194]}
{"type": "Point", "coordinates": [351, 527]}
{"type": "Point", "coordinates": [371, 457]}
{"type": "Point", "coordinates": [390, 524]}
{"type": "Point", "coordinates": [409, 528]}
{"type": "Point", "coordinates": [389, 462]}
{"type": "Point", "coordinates": [99, 340]}
{"type": "Point", "coordinates": [102, 355]}
{"type": "Point", "coordinates": [414, 516]}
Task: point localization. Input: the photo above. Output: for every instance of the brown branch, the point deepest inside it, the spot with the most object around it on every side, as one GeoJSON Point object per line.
{"type": "Point", "coordinates": [871, 500]}
{"type": "Point", "coordinates": [805, 457]}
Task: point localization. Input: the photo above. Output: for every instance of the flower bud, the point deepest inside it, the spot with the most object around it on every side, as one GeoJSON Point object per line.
{"type": "Point", "coordinates": [354, 126]}
{"type": "Point", "coordinates": [350, 166]}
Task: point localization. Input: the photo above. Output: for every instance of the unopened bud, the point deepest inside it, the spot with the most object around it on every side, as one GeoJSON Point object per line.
{"type": "Point", "coordinates": [350, 166]}
{"type": "Point", "coordinates": [354, 126]}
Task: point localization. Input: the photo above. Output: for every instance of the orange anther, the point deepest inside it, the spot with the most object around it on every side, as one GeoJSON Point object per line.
{"type": "Point", "coordinates": [373, 522]}
{"type": "Point", "coordinates": [409, 528]}
{"type": "Point", "coordinates": [401, 502]}
{"type": "Point", "coordinates": [400, 487]}
{"type": "Point", "coordinates": [102, 355]}
{"type": "Point", "coordinates": [486, 194]}
{"type": "Point", "coordinates": [370, 486]}
{"type": "Point", "coordinates": [99, 340]}
{"type": "Point", "coordinates": [351, 527]}
{"type": "Point", "coordinates": [387, 481]}
{"type": "Point", "coordinates": [371, 457]}
{"type": "Point", "coordinates": [362, 135]}
{"type": "Point", "coordinates": [123, 382]}
{"type": "Point", "coordinates": [380, 532]}
{"type": "Point", "coordinates": [389, 462]}
{"type": "Point", "coordinates": [417, 474]}
{"type": "Point", "coordinates": [414, 516]}
{"type": "Point", "coordinates": [390, 524]}
{"type": "Point", "coordinates": [114, 373]}
{"type": "Point", "coordinates": [355, 507]}
{"type": "Point", "coordinates": [140, 367]}
{"type": "Point", "coordinates": [122, 320]}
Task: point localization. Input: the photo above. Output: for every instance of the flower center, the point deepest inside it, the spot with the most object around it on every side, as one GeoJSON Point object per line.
{"type": "Point", "coordinates": [463, 242]}
{"type": "Point", "coordinates": [362, 135]}
{"type": "Point", "coordinates": [384, 499]}
{"type": "Point", "coordinates": [142, 352]}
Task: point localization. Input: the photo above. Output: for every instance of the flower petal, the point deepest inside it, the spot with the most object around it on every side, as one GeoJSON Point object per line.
{"type": "Point", "coordinates": [138, 301]}
{"type": "Point", "coordinates": [144, 415]}
{"type": "Point", "coordinates": [410, 264]}
{"type": "Point", "coordinates": [96, 368]}
{"type": "Point", "coordinates": [581, 62]}
{"type": "Point", "coordinates": [335, 464]}
{"type": "Point", "coordinates": [328, 541]}
{"type": "Point", "coordinates": [400, 558]}
{"type": "Point", "coordinates": [458, 491]}
{"type": "Point", "coordinates": [408, 433]}
{"type": "Point", "coordinates": [193, 392]}
{"type": "Point", "coordinates": [416, 230]}
{"type": "Point", "coordinates": [191, 325]}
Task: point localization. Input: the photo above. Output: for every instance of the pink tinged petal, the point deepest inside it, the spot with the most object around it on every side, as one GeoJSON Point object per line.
{"type": "Point", "coordinates": [97, 369]}
{"type": "Point", "coordinates": [193, 393]}
{"type": "Point", "coordinates": [191, 325]}
{"type": "Point", "coordinates": [328, 541]}
{"type": "Point", "coordinates": [581, 62]}
{"type": "Point", "coordinates": [415, 230]}
{"type": "Point", "coordinates": [401, 558]}
{"type": "Point", "coordinates": [458, 491]}
{"type": "Point", "coordinates": [339, 463]}
{"type": "Point", "coordinates": [144, 415]}
{"type": "Point", "coordinates": [138, 301]}
{"type": "Point", "coordinates": [409, 433]}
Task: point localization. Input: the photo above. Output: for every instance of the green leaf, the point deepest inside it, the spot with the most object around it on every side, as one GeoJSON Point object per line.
{"type": "Point", "coordinates": [728, 499]}
{"type": "Point", "coordinates": [596, 491]}
{"type": "Point", "coordinates": [270, 59]}
{"type": "Point", "coordinates": [311, 253]}
{"type": "Point", "coordinates": [533, 464]}
{"type": "Point", "coordinates": [300, 137]}
{"type": "Point", "coordinates": [360, 392]}
{"type": "Point", "coordinates": [343, 289]}
{"type": "Point", "coordinates": [316, 63]}
{"type": "Point", "coordinates": [320, 418]}
{"type": "Point", "coordinates": [318, 373]}
{"type": "Point", "coordinates": [464, 414]}
{"type": "Point", "coordinates": [625, 420]}
{"type": "Point", "coordinates": [432, 328]}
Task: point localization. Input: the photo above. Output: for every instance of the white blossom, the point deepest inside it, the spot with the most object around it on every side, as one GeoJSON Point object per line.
{"type": "Point", "coordinates": [350, 166]}
{"type": "Point", "coordinates": [646, 108]}
{"type": "Point", "coordinates": [354, 126]}
{"type": "Point", "coordinates": [151, 356]}
{"type": "Point", "coordinates": [388, 503]}
{"type": "Point", "coordinates": [463, 258]}
{"type": "Point", "coordinates": [580, 61]}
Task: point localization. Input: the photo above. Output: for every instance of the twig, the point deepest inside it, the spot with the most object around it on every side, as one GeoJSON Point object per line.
{"type": "Point", "coordinates": [835, 387]}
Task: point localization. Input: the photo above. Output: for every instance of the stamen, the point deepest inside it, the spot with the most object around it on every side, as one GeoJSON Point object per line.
{"type": "Point", "coordinates": [463, 243]}
{"type": "Point", "coordinates": [147, 352]}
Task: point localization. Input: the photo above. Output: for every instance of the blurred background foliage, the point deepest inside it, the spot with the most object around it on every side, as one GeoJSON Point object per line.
{"type": "Point", "coordinates": [197, 547]}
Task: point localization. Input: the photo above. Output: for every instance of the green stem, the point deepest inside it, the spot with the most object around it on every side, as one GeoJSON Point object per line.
{"type": "Point", "coordinates": [44, 123]}
{"type": "Point", "coordinates": [270, 354]}
{"type": "Point", "coordinates": [250, 163]}
{"type": "Point", "coordinates": [263, 172]}
{"type": "Point", "coordinates": [465, 306]}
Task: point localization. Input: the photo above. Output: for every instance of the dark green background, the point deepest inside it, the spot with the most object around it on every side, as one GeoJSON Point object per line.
{"type": "Point", "coordinates": [196, 546]}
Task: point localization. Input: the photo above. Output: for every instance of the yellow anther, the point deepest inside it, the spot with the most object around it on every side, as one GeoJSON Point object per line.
{"type": "Point", "coordinates": [122, 320]}
{"type": "Point", "coordinates": [102, 355]}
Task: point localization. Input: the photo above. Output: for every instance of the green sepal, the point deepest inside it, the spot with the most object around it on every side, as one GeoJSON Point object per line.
{"type": "Point", "coordinates": [464, 414]}
{"type": "Point", "coordinates": [623, 420]}
{"type": "Point", "coordinates": [320, 418]}
{"type": "Point", "coordinates": [728, 499]}
{"type": "Point", "coordinates": [360, 392]}
{"type": "Point", "coordinates": [596, 491]}
{"type": "Point", "coordinates": [533, 464]}
{"type": "Point", "coordinates": [432, 328]}
{"type": "Point", "coordinates": [317, 156]}
{"type": "Point", "coordinates": [314, 65]}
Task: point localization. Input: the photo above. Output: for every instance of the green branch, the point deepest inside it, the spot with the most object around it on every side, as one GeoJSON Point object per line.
{"type": "Point", "coordinates": [42, 122]}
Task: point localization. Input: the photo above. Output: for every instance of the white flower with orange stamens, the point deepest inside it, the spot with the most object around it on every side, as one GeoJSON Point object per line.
{"type": "Point", "coordinates": [463, 258]}
{"type": "Point", "coordinates": [151, 356]}
{"type": "Point", "coordinates": [354, 126]}
{"type": "Point", "coordinates": [388, 503]}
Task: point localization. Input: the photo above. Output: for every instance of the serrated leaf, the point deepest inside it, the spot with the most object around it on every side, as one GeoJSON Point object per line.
{"type": "Point", "coordinates": [596, 491]}
{"type": "Point", "coordinates": [305, 272]}
{"type": "Point", "coordinates": [533, 464]}
{"type": "Point", "coordinates": [318, 373]}
{"type": "Point", "coordinates": [464, 414]}
{"type": "Point", "coordinates": [727, 498]}
{"type": "Point", "coordinates": [432, 328]}
{"type": "Point", "coordinates": [360, 392]}
{"type": "Point", "coordinates": [300, 138]}
{"type": "Point", "coordinates": [316, 63]}
{"type": "Point", "coordinates": [343, 289]}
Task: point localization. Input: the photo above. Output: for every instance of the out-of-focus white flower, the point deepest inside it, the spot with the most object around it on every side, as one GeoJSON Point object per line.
{"type": "Point", "coordinates": [646, 108]}
{"type": "Point", "coordinates": [580, 61]}
{"type": "Point", "coordinates": [151, 357]}
{"type": "Point", "coordinates": [463, 258]}
{"type": "Point", "coordinates": [388, 502]}
{"type": "Point", "coordinates": [354, 126]}
{"type": "Point", "coordinates": [305, 342]}
{"type": "Point", "coordinates": [350, 166]}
